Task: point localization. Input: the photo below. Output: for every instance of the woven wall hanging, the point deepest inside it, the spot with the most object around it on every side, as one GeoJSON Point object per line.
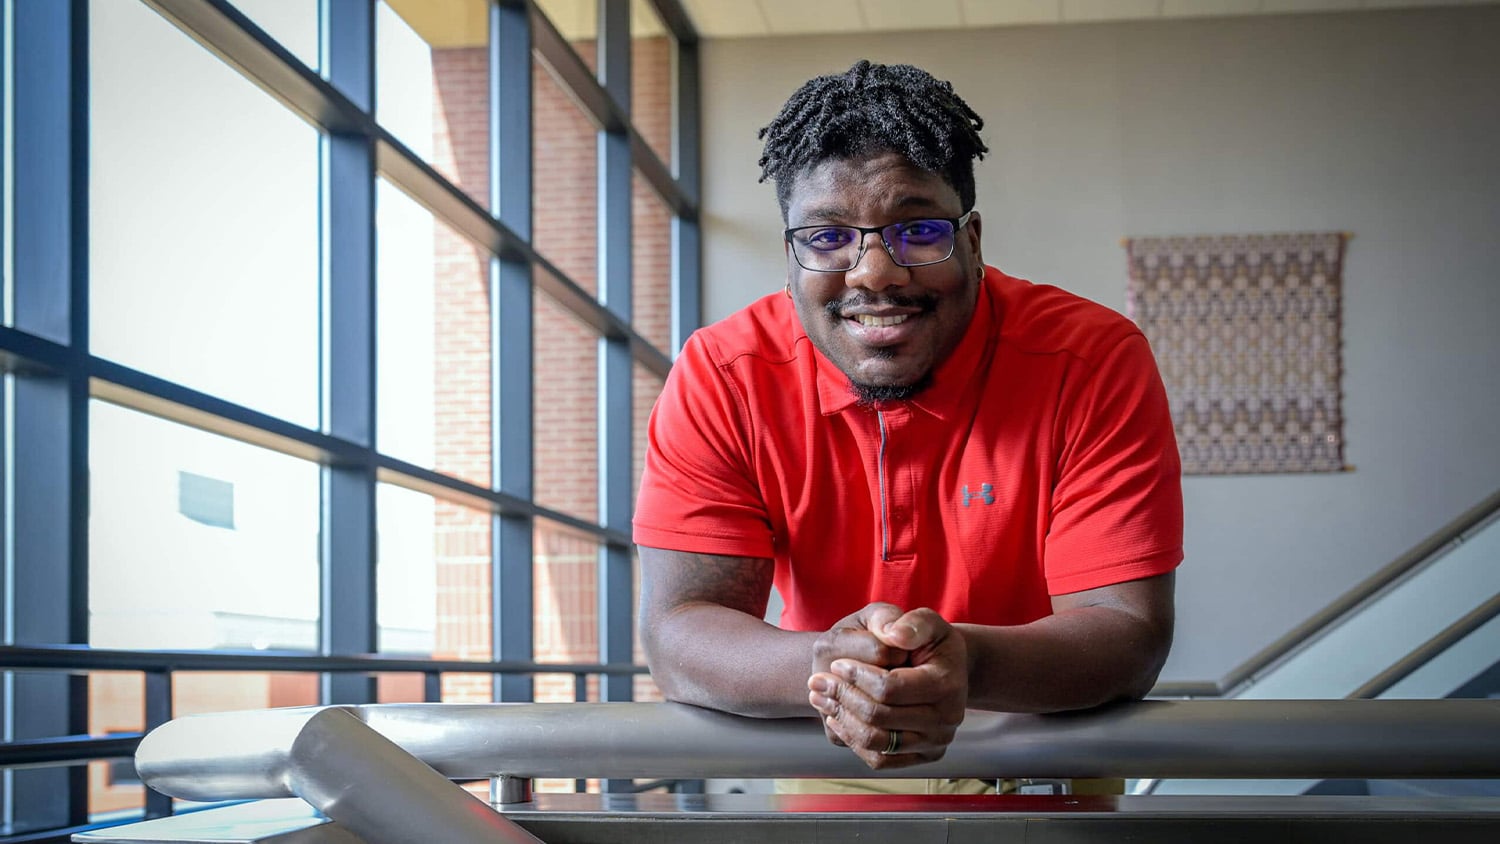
{"type": "Point", "coordinates": [1245, 329]}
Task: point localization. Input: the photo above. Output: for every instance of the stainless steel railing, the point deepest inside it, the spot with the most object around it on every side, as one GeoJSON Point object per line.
{"type": "Point", "coordinates": [248, 755]}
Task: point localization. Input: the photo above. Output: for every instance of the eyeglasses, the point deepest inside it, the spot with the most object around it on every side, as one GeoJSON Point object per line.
{"type": "Point", "coordinates": [910, 243]}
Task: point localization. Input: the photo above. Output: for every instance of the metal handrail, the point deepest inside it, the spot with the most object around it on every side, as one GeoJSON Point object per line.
{"type": "Point", "coordinates": [1445, 639]}
{"type": "Point", "coordinates": [371, 787]}
{"type": "Point", "coordinates": [1453, 532]}
{"type": "Point", "coordinates": [60, 750]}
{"type": "Point", "coordinates": [245, 755]}
{"type": "Point", "coordinates": [63, 750]}
{"type": "Point", "coordinates": [85, 658]}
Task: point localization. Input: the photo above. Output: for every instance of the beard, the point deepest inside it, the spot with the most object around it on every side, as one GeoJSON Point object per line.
{"type": "Point", "coordinates": [869, 395]}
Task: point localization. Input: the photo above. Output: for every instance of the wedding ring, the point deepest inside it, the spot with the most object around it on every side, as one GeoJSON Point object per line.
{"type": "Point", "coordinates": [893, 744]}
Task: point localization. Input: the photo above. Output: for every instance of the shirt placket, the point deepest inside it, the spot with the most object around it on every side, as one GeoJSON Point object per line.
{"type": "Point", "coordinates": [898, 536]}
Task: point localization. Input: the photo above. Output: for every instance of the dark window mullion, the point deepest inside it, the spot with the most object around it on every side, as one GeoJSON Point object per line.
{"type": "Point", "coordinates": [347, 551]}
{"type": "Point", "coordinates": [687, 292]}
{"type": "Point", "coordinates": [511, 306]}
{"type": "Point", "coordinates": [48, 463]}
{"type": "Point", "coordinates": [615, 452]}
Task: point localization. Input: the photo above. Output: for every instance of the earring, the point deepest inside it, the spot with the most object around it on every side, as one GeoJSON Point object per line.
{"type": "Point", "coordinates": [788, 290]}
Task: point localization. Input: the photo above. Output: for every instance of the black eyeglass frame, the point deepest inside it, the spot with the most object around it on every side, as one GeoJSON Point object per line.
{"type": "Point", "coordinates": [865, 231]}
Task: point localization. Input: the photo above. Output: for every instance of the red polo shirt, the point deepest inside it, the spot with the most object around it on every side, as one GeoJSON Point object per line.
{"type": "Point", "coordinates": [1040, 461]}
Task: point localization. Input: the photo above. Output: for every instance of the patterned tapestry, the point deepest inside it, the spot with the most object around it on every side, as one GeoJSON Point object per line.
{"type": "Point", "coordinates": [1246, 331]}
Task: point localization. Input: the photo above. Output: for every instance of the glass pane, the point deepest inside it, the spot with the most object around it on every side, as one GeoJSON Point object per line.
{"type": "Point", "coordinates": [404, 687]}
{"type": "Point", "coordinates": [432, 85]}
{"type": "Point", "coordinates": [406, 573]}
{"type": "Point", "coordinates": [198, 692]}
{"type": "Point", "coordinates": [433, 341]}
{"type": "Point", "coordinates": [203, 220]}
{"type": "Point", "coordinates": [651, 264]}
{"type": "Point", "coordinates": [116, 705]}
{"type": "Point", "coordinates": [293, 23]}
{"type": "Point", "coordinates": [652, 49]}
{"type": "Point", "coordinates": [566, 411]}
{"type": "Point", "coordinates": [467, 688]}
{"type": "Point", "coordinates": [196, 540]}
{"type": "Point", "coordinates": [566, 589]}
{"type": "Point", "coordinates": [433, 581]}
{"type": "Point", "coordinates": [644, 688]}
{"type": "Point", "coordinates": [646, 386]}
{"type": "Point", "coordinates": [565, 183]}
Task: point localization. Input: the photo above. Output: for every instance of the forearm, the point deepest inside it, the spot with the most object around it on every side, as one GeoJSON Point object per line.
{"type": "Point", "coordinates": [721, 658]}
{"type": "Point", "coordinates": [1074, 659]}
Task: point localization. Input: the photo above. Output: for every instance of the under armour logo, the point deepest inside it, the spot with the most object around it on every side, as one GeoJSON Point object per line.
{"type": "Point", "coordinates": [986, 494]}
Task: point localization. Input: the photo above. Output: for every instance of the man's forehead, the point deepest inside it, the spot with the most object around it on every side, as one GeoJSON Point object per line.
{"type": "Point", "coordinates": [837, 187]}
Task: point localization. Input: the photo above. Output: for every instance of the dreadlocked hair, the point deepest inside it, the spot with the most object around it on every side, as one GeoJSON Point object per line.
{"type": "Point", "coordinates": [874, 108]}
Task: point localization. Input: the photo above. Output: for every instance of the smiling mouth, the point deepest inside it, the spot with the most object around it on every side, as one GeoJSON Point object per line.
{"type": "Point", "coordinates": [871, 321]}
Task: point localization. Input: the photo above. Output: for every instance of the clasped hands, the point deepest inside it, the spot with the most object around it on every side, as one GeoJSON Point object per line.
{"type": "Point", "coordinates": [880, 671]}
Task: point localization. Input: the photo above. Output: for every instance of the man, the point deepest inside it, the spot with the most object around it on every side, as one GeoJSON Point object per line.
{"type": "Point", "coordinates": [965, 486]}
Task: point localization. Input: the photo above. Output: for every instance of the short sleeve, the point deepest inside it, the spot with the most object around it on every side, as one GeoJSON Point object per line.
{"type": "Point", "coordinates": [1117, 504]}
{"type": "Point", "coordinates": [698, 491]}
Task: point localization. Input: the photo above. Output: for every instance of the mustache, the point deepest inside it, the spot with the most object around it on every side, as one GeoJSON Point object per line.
{"type": "Point", "coordinates": [839, 307]}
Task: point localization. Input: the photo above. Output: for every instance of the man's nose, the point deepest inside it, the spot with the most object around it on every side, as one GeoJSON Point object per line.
{"type": "Point", "coordinates": [876, 270]}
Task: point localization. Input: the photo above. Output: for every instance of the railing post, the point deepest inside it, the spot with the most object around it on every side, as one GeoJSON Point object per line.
{"type": "Point", "coordinates": [158, 712]}
{"type": "Point", "coordinates": [507, 790]}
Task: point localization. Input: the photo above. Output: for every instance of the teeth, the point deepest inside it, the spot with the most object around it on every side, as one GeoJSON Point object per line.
{"type": "Point", "coordinates": [879, 321]}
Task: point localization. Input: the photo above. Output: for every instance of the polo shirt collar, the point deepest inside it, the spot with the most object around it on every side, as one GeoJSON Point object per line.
{"type": "Point", "coordinates": [942, 397]}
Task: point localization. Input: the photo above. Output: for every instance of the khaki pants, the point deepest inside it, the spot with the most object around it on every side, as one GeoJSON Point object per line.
{"type": "Point", "coordinates": [930, 786]}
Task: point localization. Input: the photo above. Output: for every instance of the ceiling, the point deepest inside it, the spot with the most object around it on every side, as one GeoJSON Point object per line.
{"type": "Point", "coordinates": [464, 22]}
{"type": "Point", "coordinates": [748, 18]}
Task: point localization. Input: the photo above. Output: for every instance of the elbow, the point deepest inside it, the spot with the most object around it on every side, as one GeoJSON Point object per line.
{"type": "Point", "coordinates": [1156, 645]}
{"type": "Point", "coordinates": [668, 674]}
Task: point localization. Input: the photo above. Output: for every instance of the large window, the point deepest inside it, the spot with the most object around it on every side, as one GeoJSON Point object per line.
{"type": "Point", "coordinates": [334, 340]}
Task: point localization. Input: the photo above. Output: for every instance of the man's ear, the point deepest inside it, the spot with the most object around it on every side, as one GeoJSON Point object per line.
{"type": "Point", "coordinates": [972, 231]}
